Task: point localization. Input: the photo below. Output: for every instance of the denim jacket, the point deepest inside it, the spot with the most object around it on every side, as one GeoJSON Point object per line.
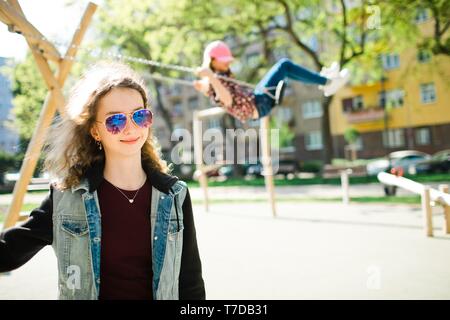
{"type": "Point", "coordinates": [75, 234]}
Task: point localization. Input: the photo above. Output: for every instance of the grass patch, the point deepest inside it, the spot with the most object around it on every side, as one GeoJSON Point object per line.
{"type": "Point", "coordinates": [259, 182]}
{"type": "Point", "coordinates": [26, 207]}
{"type": "Point", "coordinates": [379, 200]}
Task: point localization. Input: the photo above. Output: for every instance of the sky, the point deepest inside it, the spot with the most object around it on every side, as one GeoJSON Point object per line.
{"type": "Point", "coordinates": [53, 18]}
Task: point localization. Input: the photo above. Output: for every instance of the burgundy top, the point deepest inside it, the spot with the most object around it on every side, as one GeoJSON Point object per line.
{"type": "Point", "coordinates": [243, 105]}
{"type": "Point", "coordinates": [126, 256]}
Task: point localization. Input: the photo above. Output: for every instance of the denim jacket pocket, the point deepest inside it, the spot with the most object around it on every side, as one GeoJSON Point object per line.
{"type": "Point", "coordinates": [75, 227]}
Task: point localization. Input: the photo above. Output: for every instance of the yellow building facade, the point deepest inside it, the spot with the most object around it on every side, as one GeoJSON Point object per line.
{"type": "Point", "coordinates": [417, 105]}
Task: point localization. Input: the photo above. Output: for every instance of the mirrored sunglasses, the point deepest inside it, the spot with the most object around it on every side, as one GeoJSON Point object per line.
{"type": "Point", "coordinates": [115, 123]}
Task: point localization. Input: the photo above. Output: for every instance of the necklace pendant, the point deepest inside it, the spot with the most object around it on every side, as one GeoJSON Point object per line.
{"type": "Point", "coordinates": [131, 200]}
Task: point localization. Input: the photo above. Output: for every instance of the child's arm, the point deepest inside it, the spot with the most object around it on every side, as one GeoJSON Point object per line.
{"type": "Point", "coordinates": [202, 86]}
{"type": "Point", "coordinates": [222, 93]}
{"type": "Point", "coordinates": [19, 244]}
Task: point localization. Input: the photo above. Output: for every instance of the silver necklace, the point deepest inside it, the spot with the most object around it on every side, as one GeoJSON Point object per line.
{"type": "Point", "coordinates": [132, 199]}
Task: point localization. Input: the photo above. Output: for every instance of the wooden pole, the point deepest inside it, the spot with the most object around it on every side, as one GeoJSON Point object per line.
{"type": "Point", "coordinates": [444, 188]}
{"type": "Point", "coordinates": [345, 186]}
{"type": "Point", "coordinates": [267, 163]}
{"type": "Point", "coordinates": [14, 15]}
{"type": "Point", "coordinates": [427, 211]}
{"type": "Point", "coordinates": [198, 154]}
{"type": "Point", "coordinates": [48, 110]}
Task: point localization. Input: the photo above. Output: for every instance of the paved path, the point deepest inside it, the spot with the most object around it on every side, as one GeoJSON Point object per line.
{"type": "Point", "coordinates": [310, 251]}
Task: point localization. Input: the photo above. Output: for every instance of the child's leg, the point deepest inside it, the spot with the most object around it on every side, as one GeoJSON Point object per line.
{"type": "Point", "coordinates": [285, 68]}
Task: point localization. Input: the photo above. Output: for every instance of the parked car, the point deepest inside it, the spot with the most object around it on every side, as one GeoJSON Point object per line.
{"type": "Point", "coordinates": [406, 159]}
{"type": "Point", "coordinates": [283, 167]}
{"type": "Point", "coordinates": [183, 171]}
{"type": "Point", "coordinates": [439, 162]}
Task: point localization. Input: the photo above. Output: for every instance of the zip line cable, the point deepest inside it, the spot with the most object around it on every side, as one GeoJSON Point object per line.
{"type": "Point", "coordinates": [139, 60]}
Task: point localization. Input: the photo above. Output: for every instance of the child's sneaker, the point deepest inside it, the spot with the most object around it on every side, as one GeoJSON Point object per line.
{"type": "Point", "coordinates": [336, 83]}
{"type": "Point", "coordinates": [279, 92]}
{"type": "Point", "coordinates": [331, 72]}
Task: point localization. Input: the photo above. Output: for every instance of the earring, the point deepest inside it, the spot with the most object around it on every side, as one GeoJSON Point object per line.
{"type": "Point", "coordinates": [99, 144]}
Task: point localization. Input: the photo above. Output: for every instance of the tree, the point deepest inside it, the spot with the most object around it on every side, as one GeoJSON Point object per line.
{"type": "Point", "coordinates": [351, 135]}
{"type": "Point", "coordinates": [138, 29]}
{"type": "Point", "coordinates": [29, 92]}
{"type": "Point", "coordinates": [175, 31]}
{"type": "Point", "coordinates": [286, 24]}
{"type": "Point", "coordinates": [406, 13]}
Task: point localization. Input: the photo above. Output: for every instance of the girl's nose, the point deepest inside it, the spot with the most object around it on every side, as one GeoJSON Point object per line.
{"type": "Point", "coordinates": [129, 125]}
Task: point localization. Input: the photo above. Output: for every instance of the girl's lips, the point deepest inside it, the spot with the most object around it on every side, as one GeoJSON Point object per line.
{"type": "Point", "coordinates": [129, 141]}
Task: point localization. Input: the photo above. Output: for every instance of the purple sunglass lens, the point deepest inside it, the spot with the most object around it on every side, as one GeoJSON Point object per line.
{"type": "Point", "coordinates": [116, 123]}
{"type": "Point", "coordinates": [143, 118]}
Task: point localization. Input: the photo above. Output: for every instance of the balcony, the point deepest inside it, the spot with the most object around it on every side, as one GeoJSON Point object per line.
{"type": "Point", "coordinates": [370, 114]}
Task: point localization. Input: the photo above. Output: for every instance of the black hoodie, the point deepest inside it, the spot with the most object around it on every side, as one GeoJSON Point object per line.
{"type": "Point", "coordinates": [19, 244]}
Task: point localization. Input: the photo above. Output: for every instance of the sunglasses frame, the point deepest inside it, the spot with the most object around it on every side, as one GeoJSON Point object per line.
{"type": "Point", "coordinates": [128, 115]}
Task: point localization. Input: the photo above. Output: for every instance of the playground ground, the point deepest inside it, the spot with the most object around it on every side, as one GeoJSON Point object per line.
{"type": "Point", "coordinates": [309, 251]}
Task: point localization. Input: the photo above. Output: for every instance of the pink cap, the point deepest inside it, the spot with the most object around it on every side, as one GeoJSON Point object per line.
{"type": "Point", "coordinates": [217, 50]}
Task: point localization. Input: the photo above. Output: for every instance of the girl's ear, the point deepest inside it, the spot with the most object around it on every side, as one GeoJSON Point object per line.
{"type": "Point", "coordinates": [94, 132]}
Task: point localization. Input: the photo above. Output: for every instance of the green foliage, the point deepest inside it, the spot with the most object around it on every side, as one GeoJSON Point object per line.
{"type": "Point", "coordinates": [351, 135]}
{"type": "Point", "coordinates": [403, 13]}
{"type": "Point", "coordinates": [29, 92]}
{"type": "Point", "coordinates": [7, 162]}
{"type": "Point", "coordinates": [311, 166]}
{"type": "Point", "coordinates": [286, 134]}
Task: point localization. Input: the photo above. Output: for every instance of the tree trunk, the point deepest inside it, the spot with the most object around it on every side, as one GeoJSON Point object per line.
{"type": "Point", "coordinates": [327, 139]}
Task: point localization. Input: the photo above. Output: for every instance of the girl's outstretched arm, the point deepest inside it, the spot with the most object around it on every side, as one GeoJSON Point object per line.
{"type": "Point", "coordinates": [19, 244]}
{"type": "Point", "coordinates": [222, 93]}
{"type": "Point", "coordinates": [202, 86]}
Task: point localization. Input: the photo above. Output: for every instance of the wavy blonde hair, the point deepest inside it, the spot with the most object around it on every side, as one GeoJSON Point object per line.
{"type": "Point", "coordinates": [70, 149]}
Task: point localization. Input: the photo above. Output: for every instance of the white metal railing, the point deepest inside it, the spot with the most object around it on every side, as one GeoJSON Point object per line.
{"type": "Point", "coordinates": [429, 196]}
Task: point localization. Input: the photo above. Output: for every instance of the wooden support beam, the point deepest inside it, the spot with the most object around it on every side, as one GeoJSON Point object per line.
{"type": "Point", "coordinates": [16, 18]}
{"type": "Point", "coordinates": [4, 18]}
{"type": "Point", "coordinates": [427, 211]}
{"type": "Point", "coordinates": [444, 188]}
{"type": "Point", "coordinates": [267, 163]}
{"type": "Point", "coordinates": [51, 102]}
{"type": "Point", "coordinates": [198, 154]}
{"type": "Point", "coordinates": [66, 65]}
{"type": "Point", "coordinates": [210, 112]}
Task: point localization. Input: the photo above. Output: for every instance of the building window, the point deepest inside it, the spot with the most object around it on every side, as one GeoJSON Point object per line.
{"type": "Point", "coordinates": [213, 123]}
{"type": "Point", "coordinates": [390, 61]}
{"type": "Point", "coordinates": [423, 56]}
{"type": "Point", "coordinates": [353, 104]}
{"type": "Point", "coordinates": [193, 103]}
{"type": "Point", "coordinates": [313, 140]}
{"type": "Point", "coordinates": [284, 114]}
{"type": "Point", "coordinates": [359, 143]}
{"type": "Point", "coordinates": [394, 138]}
{"type": "Point", "coordinates": [312, 109]}
{"type": "Point", "coordinates": [395, 98]}
{"type": "Point", "coordinates": [421, 15]}
{"type": "Point", "coordinates": [423, 136]}
{"type": "Point", "coordinates": [176, 90]}
{"type": "Point", "coordinates": [427, 93]}
{"type": "Point", "coordinates": [177, 109]}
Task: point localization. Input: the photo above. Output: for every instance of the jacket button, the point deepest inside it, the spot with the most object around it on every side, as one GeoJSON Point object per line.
{"type": "Point", "coordinates": [162, 197]}
{"type": "Point", "coordinates": [156, 238]}
{"type": "Point", "coordinates": [96, 239]}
